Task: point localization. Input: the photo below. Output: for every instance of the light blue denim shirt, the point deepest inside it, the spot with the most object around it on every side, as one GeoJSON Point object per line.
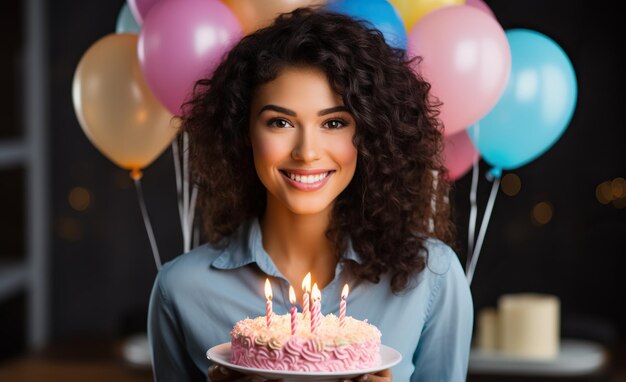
{"type": "Point", "coordinates": [198, 297]}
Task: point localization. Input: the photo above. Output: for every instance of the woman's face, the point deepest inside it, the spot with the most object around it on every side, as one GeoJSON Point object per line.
{"type": "Point", "coordinates": [301, 137]}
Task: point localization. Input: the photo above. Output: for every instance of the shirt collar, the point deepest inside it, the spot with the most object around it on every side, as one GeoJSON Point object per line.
{"type": "Point", "coordinates": [246, 247]}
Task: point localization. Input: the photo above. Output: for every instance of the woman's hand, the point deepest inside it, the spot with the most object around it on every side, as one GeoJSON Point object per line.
{"type": "Point", "coordinates": [381, 376]}
{"type": "Point", "coordinates": [222, 374]}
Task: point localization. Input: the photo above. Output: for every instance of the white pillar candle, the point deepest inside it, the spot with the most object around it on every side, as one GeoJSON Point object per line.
{"type": "Point", "coordinates": [529, 325]}
{"type": "Point", "coordinates": [488, 328]}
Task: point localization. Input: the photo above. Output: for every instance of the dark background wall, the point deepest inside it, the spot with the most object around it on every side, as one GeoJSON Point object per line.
{"type": "Point", "coordinates": [102, 267]}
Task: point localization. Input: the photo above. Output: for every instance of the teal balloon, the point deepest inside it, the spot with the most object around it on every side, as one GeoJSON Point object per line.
{"type": "Point", "coordinates": [536, 107]}
{"type": "Point", "coordinates": [380, 13]}
{"type": "Point", "coordinates": [126, 23]}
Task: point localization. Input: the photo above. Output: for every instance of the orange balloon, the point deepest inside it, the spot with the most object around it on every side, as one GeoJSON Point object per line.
{"type": "Point", "coordinates": [413, 10]}
{"type": "Point", "coordinates": [256, 14]}
{"type": "Point", "coordinates": [114, 106]}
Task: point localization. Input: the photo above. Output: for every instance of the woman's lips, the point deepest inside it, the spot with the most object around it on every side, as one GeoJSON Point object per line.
{"type": "Point", "coordinates": [307, 180]}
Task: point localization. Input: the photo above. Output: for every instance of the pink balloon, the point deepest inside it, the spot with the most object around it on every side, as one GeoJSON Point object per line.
{"type": "Point", "coordinates": [459, 154]}
{"type": "Point", "coordinates": [466, 59]}
{"type": "Point", "coordinates": [480, 4]}
{"type": "Point", "coordinates": [140, 8]}
{"type": "Point", "coordinates": [181, 42]}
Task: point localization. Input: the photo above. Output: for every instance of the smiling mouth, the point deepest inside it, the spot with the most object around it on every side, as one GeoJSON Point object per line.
{"type": "Point", "coordinates": [307, 179]}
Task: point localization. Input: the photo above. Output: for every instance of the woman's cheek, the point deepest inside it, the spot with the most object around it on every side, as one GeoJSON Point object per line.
{"type": "Point", "coordinates": [344, 152]}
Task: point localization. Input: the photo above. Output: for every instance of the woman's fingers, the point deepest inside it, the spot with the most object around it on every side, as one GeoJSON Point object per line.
{"type": "Point", "coordinates": [381, 376]}
{"type": "Point", "coordinates": [219, 373]}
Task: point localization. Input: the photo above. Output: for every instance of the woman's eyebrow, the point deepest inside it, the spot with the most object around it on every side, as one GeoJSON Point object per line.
{"type": "Point", "coordinates": [294, 114]}
{"type": "Point", "coordinates": [278, 109]}
{"type": "Point", "coordinates": [331, 110]}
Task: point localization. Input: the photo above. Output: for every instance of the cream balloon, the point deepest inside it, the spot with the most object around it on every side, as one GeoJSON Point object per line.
{"type": "Point", "coordinates": [256, 14]}
{"type": "Point", "coordinates": [114, 106]}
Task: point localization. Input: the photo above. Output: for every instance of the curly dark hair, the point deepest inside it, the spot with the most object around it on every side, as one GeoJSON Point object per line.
{"type": "Point", "coordinates": [386, 208]}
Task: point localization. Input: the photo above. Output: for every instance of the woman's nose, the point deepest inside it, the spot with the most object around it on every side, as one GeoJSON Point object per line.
{"type": "Point", "coordinates": [306, 146]}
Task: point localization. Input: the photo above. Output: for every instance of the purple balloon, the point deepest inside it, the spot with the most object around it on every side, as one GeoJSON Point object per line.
{"type": "Point", "coordinates": [480, 4]}
{"type": "Point", "coordinates": [181, 42]}
{"type": "Point", "coordinates": [140, 8]}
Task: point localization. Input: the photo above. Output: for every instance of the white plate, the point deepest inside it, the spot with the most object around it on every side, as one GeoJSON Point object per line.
{"type": "Point", "coordinates": [220, 354]}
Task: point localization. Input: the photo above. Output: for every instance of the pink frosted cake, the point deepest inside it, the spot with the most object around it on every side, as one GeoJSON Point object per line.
{"type": "Point", "coordinates": [355, 345]}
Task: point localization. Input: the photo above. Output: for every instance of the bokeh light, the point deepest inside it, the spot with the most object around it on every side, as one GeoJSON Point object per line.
{"type": "Point", "coordinates": [511, 184]}
{"type": "Point", "coordinates": [618, 188]}
{"type": "Point", "coordinates": [79, 198]}
{"type": "Point", "coordinates": [604, 192]}
{"type": "Point", "coordinates": [542, 213]}
{"type": "Point", "coordinates": [612, 192]}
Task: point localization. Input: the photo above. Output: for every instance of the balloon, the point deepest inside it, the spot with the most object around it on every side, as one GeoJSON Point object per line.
{"type": "Point", "coordinates": [459, 154]}
{"type": "Point", "coordinates": [466, 59]}
{"type": "Point", "coordinates": [126, 23]}
{"type": "Point", "coordinates": [181, 42]}
{"type": "Point", "coordinates": [255, 14]}
{"type": "Point", "coordinates": [380, 13]}
{"type": "Point", "coordinates": [480, 4]}
{"type": "Point", "coordinates": [537, 104]}
{"type": "Point", "coordinates": [114, 106]}
{"type": "Point", "coordinates": [140, 8]}
{"type": "Point", "coordinates": [413, 10]}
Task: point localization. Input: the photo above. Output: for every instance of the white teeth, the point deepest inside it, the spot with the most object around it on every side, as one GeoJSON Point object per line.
{"type": "Point", "coordinates": [307, 179]}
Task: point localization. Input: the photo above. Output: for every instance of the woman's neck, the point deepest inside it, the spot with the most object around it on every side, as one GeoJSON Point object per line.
{"type": "Point", "coordinates": [297, 243]}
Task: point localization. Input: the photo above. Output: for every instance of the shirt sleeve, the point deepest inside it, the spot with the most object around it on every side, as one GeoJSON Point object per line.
{"type": "Point", "coordinates": [442, 354]}
{"type": "Point", "coordinates": [170, 359]}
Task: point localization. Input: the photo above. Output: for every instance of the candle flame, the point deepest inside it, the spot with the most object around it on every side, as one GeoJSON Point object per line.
{"type": "Point", "coordinates": [292, 295]}
{"type": "Point", "coordinates": [306, 283]}
{"type": "Point", "coordinates": [315, 294]}
{"type": "Point", "coordinates": [268, 289]}
{"type": "Point", "coordinates": [345, 291]}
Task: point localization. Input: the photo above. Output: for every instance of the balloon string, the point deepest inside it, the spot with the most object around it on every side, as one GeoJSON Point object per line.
{"type": "Point", "coordinates": [146, 220]}
{"type": "Point", "coordinates": [192, 208]}
{"type": "Point", "coordinates": [483, 230]}
{"type": "Point", "coordinates": [471, 231]}
{"type": "Point", "coordinates": [179, 186]}
{"type": "Point", "coordinates": [186, 204]}
{"type": "Point", "coordinates": [433, 202]}
{"type": "Point", "coordinates": [186, 222]}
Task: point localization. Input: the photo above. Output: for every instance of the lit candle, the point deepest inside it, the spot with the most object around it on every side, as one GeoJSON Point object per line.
{"type": "Point", "coordinates": [316, 296]}
{"type": "Point", "coordinates": [306, 288]}
{"type": "Point", "coordinates": [294, 310]}
{"type": "Point", "coordinates": [268, 305]}
{"type": "Point", "coordinates": [342, 305]}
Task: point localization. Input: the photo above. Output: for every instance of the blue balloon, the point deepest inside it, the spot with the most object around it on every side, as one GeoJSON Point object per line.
{"type": "Point", "coordinates": [380, 13]}
{"type": "Point", "coordinates": [536, 106]}
{"type": "Point", "coordinates": [126, 23]}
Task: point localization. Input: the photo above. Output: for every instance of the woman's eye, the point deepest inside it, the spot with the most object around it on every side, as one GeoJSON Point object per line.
{"type": "Point", "coordinates": [278, 122]}
{"type": "Point", "coordinates": [335, 124]}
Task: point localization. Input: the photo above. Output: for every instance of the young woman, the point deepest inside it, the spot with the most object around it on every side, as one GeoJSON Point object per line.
{"type": "Point", "coordinates": [314, 146]}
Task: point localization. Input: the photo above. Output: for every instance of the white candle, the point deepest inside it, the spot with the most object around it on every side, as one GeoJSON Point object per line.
{"type": "Point", "coordinates": [529, 325]}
